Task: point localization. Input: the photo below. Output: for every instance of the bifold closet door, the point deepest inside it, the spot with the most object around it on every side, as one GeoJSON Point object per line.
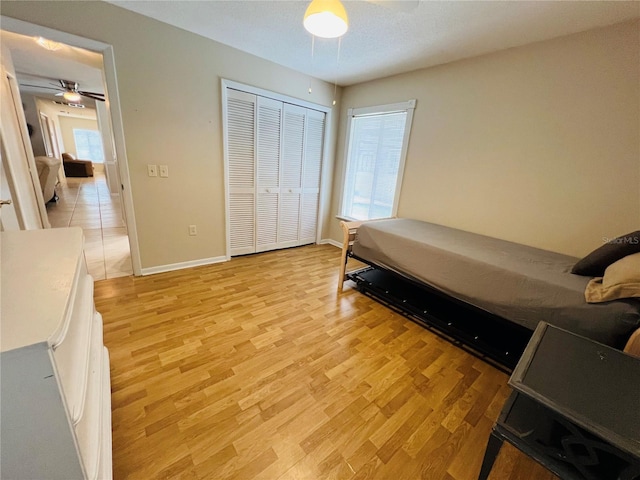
{"type": "Point", "coordinates": [274, 162]}
{"type": "Point", "coordinates": [269, 134]}
{"type": "Point", "coordinates": [241, 135]}
{"type": "Point", "coordinates": [311, 172]}
{"type": "Point", "coordinates": [293, 128]}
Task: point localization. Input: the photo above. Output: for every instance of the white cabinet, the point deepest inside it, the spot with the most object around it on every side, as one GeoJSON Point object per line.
{"type": "Point", "coordinates": [55, 392]}
{"type": "Point", "coordinates": [273, 158]}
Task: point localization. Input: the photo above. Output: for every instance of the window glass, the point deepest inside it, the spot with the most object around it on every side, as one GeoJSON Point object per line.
{"type": "Point", "coordinates": [88, 145]}
{"type": "Point", "coordinates": [375, 158]}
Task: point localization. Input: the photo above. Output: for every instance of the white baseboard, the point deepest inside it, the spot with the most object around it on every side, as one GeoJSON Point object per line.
{"type": "Point", "coordinates": [179, 266]}
{"type": "Point", "coordinates": [330, 241]}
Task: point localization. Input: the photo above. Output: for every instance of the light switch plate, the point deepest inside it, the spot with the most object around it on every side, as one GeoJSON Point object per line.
{"type": "Point", "coordinates": [152, 170]}
{"type": "Point", "coordinates": [164, 171]}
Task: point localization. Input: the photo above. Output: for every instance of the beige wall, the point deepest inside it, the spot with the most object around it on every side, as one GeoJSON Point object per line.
{"type": "Point", "coordinates": [67, 124]}
{"type": "Point", "coordinates": [538, 145]}
{"type": "Point", "coordinates": [169, 85]}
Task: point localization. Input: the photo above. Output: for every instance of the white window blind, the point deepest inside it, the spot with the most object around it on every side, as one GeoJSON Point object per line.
{"type": "Point", "coordinates": [376, 149]}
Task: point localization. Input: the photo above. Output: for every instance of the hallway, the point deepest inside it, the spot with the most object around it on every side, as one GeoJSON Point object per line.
{"type": "Point", "coordinates": [87, 203]}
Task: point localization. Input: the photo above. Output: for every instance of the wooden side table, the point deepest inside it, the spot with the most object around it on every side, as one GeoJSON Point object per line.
{"type": "Point", "coordinates": [575, 408]}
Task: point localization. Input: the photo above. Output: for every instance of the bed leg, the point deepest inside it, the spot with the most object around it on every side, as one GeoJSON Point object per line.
{"type": "Point", "coordinates": [349, 230]}
{"type": "Point", "coordinates": [343, 256]}
{"type": "Point", "coordinates": [343, 269]}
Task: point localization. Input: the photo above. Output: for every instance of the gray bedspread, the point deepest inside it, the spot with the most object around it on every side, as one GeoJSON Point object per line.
{"type": "Point", "coordinates": [519, 283]}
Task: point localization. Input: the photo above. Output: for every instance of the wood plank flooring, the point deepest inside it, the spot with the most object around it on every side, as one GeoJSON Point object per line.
{"type": "Point", "coordinates": [257, 369]}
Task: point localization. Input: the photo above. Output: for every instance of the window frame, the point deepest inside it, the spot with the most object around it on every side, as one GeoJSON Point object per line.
{"type": "Point", "coordinates": [408, 107]}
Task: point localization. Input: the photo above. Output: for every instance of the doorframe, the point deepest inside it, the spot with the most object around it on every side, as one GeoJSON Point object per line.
{"type": "Point", "coordinates": [115, 111]}
{"type": "Point", "coordinates": [12, 219]}
{"type": "Point", "coordinates": [20, 166]}
{"type": "Point", "coordinates": [48, 136]}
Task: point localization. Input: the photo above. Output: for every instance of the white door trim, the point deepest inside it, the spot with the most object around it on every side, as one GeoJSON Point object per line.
{"type": "Point", "coordinates": [110, 80]}
{"type": "Point", "coordinates": [20, 167]}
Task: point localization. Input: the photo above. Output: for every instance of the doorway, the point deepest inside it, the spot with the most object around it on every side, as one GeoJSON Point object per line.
{"type": "Point", "coordinates": [102, 205]}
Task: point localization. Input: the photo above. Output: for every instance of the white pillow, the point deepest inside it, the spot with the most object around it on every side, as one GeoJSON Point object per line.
{"type": "Point", "coordinates": [621, 280]}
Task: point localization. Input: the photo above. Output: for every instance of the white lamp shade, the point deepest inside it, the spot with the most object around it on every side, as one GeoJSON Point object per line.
{"type": "Point", "coordinates": [326, 19]}
{"type": "Point", "coordinates": [72, 97]}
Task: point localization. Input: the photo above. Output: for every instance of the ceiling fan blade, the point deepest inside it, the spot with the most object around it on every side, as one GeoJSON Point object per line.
{"type": "Point", "coordinates": [39, 86]}
{"type": "Point", "coordinates": [68, 86]}
{"type": "Point", "coordinates": [84, 92]}
{"type": "Point", "coordinates": [90, 95]}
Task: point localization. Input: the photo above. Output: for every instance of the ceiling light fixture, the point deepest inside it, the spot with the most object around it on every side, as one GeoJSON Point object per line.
{"type": "Point", "coordinates": [72, 97]}
{"type": "Point", "coordinates": [326, 19]}
{"type": "Point", "coordinates": [48, 44]}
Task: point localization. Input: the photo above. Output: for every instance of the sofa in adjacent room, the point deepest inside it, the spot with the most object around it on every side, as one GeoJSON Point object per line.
{"type": "Point", "coordinates": [74, 167]}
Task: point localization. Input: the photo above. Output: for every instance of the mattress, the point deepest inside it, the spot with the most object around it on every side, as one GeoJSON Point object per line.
{"type": "Point", "coordinates": [519, 283]}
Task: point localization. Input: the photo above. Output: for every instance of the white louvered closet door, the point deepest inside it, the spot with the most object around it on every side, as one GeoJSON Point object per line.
{"type": "Point", "coordinates": [268, 186]}
{"type": "Point", "coordinates": [311, 172]}
{"type": "Point", "coordinates": [274, 162]}
{"type": "Point", "coordinates": [291, 175]}
{"type": "Point", "coordinates": [241, 115]}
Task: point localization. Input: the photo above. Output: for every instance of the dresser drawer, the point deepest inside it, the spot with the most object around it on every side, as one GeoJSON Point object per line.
{"type": "Point", "coordinates": [88, 429]}
{"type": "Point", "coordinates": [71, 354]}
{"type": "Point", "coordinates": [75, 292]}
{"type": "Point", "coordinates": [105, 469]}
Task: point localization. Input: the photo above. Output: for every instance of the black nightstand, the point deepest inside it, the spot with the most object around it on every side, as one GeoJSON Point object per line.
{"type": "Point", "coordinates": [575, 408]}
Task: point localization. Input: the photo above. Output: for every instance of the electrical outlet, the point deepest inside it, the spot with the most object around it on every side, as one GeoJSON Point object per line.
{"type": "Point", "coordinates": [193, 230]}
{"type": "Point", "coordinates": [164, 171]}
{"type": "Point", "coordinates": [152, 170]}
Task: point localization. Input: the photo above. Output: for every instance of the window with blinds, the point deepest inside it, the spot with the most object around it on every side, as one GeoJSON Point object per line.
{"type": "Point", "coordinates": [376, 150]}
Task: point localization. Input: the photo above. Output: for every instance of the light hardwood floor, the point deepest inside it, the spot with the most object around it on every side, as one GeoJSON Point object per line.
{"type": "Point", "coordinates": [257, 369]}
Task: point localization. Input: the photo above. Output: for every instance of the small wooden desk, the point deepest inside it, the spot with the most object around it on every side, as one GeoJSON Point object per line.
{"type": "Point", "coordinates": [575, 408]}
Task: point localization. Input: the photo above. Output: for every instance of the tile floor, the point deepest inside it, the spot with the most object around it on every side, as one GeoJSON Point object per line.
{"type": "Point", "coordinates": [87, 203]}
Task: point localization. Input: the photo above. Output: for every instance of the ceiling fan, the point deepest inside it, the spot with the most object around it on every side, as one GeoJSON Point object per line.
{"type": "Point", "coordinates": [70, 91]}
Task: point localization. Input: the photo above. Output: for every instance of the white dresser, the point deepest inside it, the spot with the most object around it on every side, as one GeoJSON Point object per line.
{"type": "Point", "coordinates": [55, 397]}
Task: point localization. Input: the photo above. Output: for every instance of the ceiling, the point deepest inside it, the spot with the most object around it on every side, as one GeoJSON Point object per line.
{"type": "Point", "coordinates": [42, 69]}
{"type": "Point", "coordinates": [385, 37]}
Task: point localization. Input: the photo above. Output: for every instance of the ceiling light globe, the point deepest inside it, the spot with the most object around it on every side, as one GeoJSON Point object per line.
{"type": "Point", "coordinates": [72, 97]}
{"type": "Point", "coordinates": [326, 19]}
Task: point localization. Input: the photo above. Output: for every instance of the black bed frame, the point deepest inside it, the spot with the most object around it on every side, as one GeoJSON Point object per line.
{"type": "Point", "coordinates": [483, 334]}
